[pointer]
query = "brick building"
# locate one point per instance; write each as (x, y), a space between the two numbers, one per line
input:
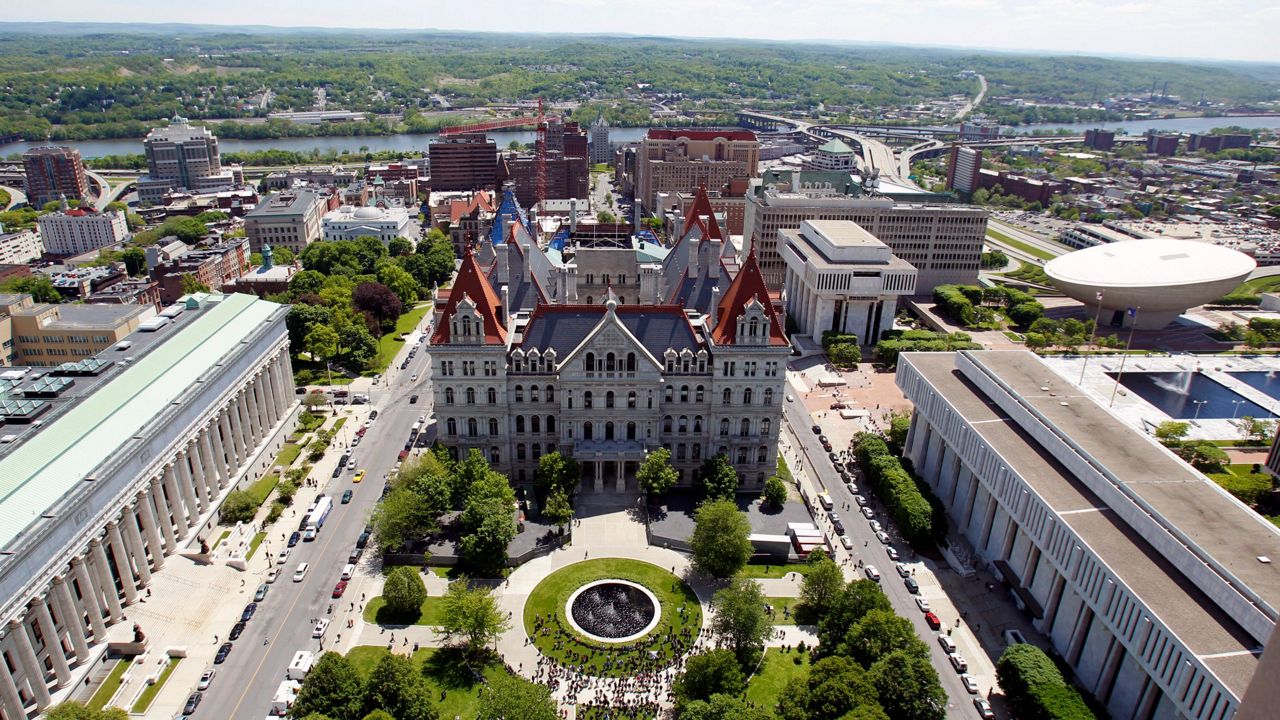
(463, 162)
(54, 173)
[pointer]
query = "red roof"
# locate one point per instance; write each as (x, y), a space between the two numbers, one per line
(471, 283)
(748, 285)
(482, 201)
(701, 214)
(692, 134)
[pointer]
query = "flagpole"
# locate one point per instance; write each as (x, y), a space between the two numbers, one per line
(1123, 358)
(1093, 333)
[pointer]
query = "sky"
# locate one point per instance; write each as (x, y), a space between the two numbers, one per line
(1216, 29)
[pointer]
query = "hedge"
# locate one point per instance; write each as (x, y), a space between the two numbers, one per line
(896, 342)
(1035, 687)
(895, 486)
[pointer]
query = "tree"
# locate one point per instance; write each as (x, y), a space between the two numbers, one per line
(775, 491)
(508, 697)
(740, 619)
(39, 287)
(321, 342)
(845, 354)
(359, 347)
(835, 686)
(557, 473)
(399, 518)
(472, 615)
(718, 478)
(720, 542)
(878, 633)
(488, 519)
(71, 710)
(187, 229)
(1257, 432)
(604, 217)
(656, 476)
(238, 506)
(191, 284)
(332, 688)
(134, 259)
(1171, 433)
(404, 592)
(1204, 456)
(908, 686)
(378, 300)
(399, 246)
(557, 508)
(724, 707)
(859, 598)
(708, 673)
(819, 591)
(396, 688)
(899, 426)
(399, 281)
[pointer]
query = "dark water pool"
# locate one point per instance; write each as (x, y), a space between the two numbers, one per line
(1176, 393)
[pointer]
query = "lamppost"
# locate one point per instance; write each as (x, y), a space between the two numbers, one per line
(1236, 409)
(1199, 404)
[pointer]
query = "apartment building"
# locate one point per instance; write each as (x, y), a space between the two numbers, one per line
(42, 334)
(21, 247)
(54, 173)
(681, 160)
(79, 230)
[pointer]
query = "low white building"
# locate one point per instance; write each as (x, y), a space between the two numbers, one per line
(349, 223)
(71, 232)
(840, 277)
(20, 248)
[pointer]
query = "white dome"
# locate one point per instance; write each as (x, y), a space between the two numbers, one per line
(367, 213)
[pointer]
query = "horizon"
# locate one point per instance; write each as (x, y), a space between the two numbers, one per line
(979, 26)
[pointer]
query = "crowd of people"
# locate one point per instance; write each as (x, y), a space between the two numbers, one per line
(650, 654)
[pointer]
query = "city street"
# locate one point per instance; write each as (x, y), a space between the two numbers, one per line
(247, 681)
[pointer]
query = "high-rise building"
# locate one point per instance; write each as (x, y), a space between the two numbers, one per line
(1100, 139)
(567, 177)
(963, 166)
(79, 230)
(1217, 143)
(20, 248)
(54, 173)
(1163, 145)
(681, 160)
(182, 156)
(601, 153)
(833, 156)
(942, 241)
(290, 219)
(463, 162)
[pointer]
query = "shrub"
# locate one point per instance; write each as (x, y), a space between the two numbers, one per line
(898, 489)
(1035, 687)
(845, 354)
(277, 509)
(238, 507)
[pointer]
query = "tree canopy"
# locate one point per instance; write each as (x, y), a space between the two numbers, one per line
(720, 542)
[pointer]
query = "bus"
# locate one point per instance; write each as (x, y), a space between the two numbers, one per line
(316, 519)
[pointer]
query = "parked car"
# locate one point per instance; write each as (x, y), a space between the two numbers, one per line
(261, 594)
(413, 399)
(913, 587)
(958, 662)
(921, 603)
(283, 557)
(838, 406)
(892, 552)
(249, 610)
(817, 430)
(984, 708)
(875, 526)
(867, 512)
(414, 378)
(205, 679)
(321, 626)
(883, 537)
(872, 573)
(847, 542)
(236, 630)
(970, 683)
(339, 588)
(861, 500)
(373, 414)
(362, 540)
(294, 537)
(932, 620)
(272, 574)
(903, 570)
(346, 496)
(838, 525)
(359, 475)
(354, 557)
(824, 440)
(193, 702)
(948, 645)
(223, 652)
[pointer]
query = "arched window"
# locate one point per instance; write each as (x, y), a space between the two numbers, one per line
(697, 451)
(697, 423)
(520, 451)
(451, 427)
(631, 431)
(765, 427)
(535, 424)
(631, 400)
(471, 396)
(669, 394)
(533, 393)
(589, 364)
(742, 456)
(754, 328)
(724, 426)
(591, 300)
(586, 430)
(586, 399)
(728, 396)
(493, 426)
(551, 425)
(608, 399)
(494, 456)
(680, 451)
(684, 424)
(609, 363)
(537, 450)
(493, 396)
(608, 431)
(666, 424)
(473, 427)
(551, 394)
(745, 428)
(746, 396)
(519, 424)
(684, 393)
(448, 396)
(698, 395)
(762, 454)
(631, 362)
(768, 396)
(519, 393)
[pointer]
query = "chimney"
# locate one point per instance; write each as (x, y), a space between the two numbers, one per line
(715, 307)
(795, 181)
(573, 216)
(693, 257)
(502, 271)
(506, 307)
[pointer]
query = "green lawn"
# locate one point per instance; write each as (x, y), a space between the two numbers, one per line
(337, 425)
(765, 687)
(431, 612)
(446, 670)
(548, 600)
(784, 472)
(218, 542)
(1247, 486)
(391, 343)
(1258, 285)
(1027, 248)
(253, 545)
(288, 454)
(768, 570)
(144, 699)
(262, 488)
(783, 603)
(109, 686)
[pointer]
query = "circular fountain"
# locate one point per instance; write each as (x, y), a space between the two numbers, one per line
(613, 611)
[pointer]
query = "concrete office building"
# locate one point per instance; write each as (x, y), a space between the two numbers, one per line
(79, 230)
(601, 152)
(841, 278)
(681, 160)
(463, 162)
(834, 156)
(182, 156)
(349, 223)
(48, 335)
(20, 248)
(1155, 585)
(162, 438)
(943, 242)
(290, 219)
(963, 166)
(54, 173)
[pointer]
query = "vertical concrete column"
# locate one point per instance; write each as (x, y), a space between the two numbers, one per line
(9, 698)
(253, 410)
(98, 556)
(213, 469)
(599, 464)
(90, 598)
(175, 502)
(30, 664)
(148, 519)
(133, 540)
(52, 641)
(284, 383)
(621, 484)
(228, 443)
(165, 519)
(271, 397)
(197, 474)
(188, 487)
(71, 617)
(121, 555)
(240, 430)
(262, 388)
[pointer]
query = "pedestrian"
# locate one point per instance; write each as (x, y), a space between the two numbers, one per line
(215, 639)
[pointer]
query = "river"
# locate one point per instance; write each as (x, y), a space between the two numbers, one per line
(418, 143)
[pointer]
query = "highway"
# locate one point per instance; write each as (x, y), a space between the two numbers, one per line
(16, 196)
(975, 102)
(868, 548)
(247, 681)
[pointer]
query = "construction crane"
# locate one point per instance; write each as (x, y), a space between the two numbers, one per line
(540, 144)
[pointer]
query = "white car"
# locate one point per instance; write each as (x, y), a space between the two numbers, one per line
(883, 537)
(872, 573)
(322, 625)
(414, 378)
(892, 552)
(958, 662)
(948, 645)
(922, 604)
(283, 557)
(903, 570)
(862, 501)
(867, 512)
(970, 683)
(875, 526)
(205, 679)
(847, 542)
(272, 574)
(300, 573)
